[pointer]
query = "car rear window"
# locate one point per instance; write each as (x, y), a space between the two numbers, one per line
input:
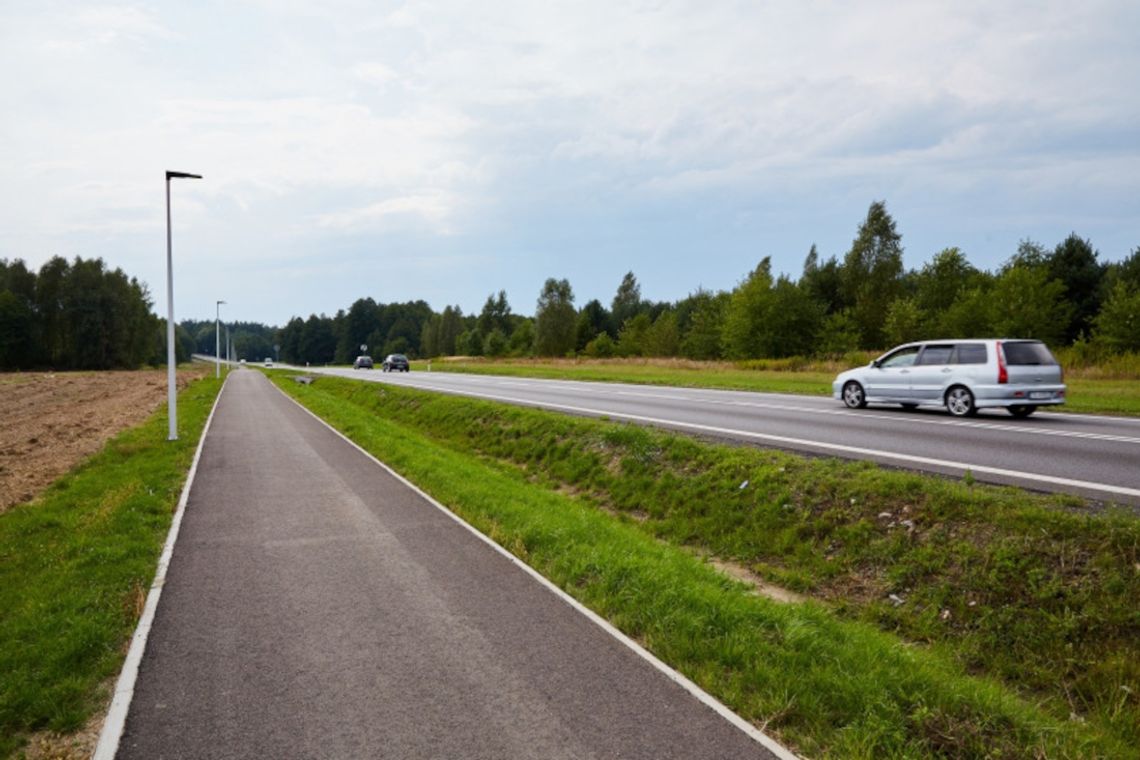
(936, 355)
(971, 353)
(1021, 354)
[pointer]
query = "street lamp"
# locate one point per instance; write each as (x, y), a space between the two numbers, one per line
(171, 406)
(218, 339)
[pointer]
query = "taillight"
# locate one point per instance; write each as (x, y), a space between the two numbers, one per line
(1003, 375)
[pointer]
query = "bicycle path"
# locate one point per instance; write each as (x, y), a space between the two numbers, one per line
(317, 607)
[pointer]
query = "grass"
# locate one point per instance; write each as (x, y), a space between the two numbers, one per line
(1017, 627)
(75, 565)
(1108, 388)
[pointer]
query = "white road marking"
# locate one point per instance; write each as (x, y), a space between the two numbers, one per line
(113, 725)
(802, 443)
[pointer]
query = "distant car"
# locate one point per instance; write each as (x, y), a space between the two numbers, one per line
(962, 375)
(362, 362)
(269, 361)
(242, 361)
(394, 363)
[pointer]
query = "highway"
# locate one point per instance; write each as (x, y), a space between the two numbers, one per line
(1089, 456)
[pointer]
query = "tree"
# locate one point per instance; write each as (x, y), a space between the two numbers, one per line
(767, 319)
(601, 347)
(554, 319)
(748, 308)
(15, 332)
(521, 342)
(289, 339)
(627, 301)
(470, 342)
(838, 334)
(793, 323)
(593, 320)
(663, 338)
(361, 320)
(872, 272)
(1074, 264)
(904, 322)
(632, 339)
(1028, 304)
(823, 282)
(450, 327)
(971, 314)
(496, 315)
(941, 281)
(1118, 323)
(317, 344)
(52, 336)
(495, 344)
(702, 338)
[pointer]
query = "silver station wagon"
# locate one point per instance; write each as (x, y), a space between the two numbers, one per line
(961, 375)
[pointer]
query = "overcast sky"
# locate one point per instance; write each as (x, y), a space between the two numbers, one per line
(444, 150)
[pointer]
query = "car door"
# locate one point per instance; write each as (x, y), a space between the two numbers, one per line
(889, 378)
(930, 373)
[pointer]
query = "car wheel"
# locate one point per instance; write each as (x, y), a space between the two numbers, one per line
(854, 396)
(960, 402)
(1022, 410)
(909, 407)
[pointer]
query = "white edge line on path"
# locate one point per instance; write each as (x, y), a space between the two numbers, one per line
(116, 720)
(802, 443)
(696, 691)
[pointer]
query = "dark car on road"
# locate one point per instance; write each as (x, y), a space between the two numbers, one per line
(395, 363)
(362, 362)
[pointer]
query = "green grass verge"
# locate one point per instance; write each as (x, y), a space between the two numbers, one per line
(1018, 634)
(75, 565)
(1091, 395)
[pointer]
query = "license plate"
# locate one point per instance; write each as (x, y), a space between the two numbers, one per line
(1040, 394)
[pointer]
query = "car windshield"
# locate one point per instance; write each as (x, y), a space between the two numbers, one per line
(1029, 353)
(399, 357)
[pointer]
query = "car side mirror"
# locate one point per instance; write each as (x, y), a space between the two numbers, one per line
(874, 363)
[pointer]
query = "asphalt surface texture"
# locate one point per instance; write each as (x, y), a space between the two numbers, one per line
(316, 607)
(1085, 455)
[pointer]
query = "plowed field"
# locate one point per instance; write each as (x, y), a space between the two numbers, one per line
(49, 422)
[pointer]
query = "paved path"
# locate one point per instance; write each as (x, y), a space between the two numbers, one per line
(315, 607)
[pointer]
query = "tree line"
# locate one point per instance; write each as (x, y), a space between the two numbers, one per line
(81, 315)
(76, 315)
(865, 300)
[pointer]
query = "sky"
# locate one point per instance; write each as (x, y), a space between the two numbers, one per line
(445, 150)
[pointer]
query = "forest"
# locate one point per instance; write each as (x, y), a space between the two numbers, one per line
(866, 300)
(80, 315)
(77, 315)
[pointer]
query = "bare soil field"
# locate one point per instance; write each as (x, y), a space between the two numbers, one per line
(51, 421)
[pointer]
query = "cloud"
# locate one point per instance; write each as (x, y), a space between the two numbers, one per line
(432, 208)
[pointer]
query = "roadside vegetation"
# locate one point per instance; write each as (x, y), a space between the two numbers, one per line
(1102, 386)
(941, 619)
(76, 563)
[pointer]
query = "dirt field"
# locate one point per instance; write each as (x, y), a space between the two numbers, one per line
(49, 422)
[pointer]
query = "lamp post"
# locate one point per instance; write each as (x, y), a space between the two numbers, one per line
(171, 405)
(218, 339)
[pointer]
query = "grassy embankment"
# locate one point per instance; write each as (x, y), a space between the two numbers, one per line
(1014, 630)
(1108, 387)
(75, 567)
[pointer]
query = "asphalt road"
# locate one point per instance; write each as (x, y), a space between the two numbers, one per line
(1090, 456)
(317, 607)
